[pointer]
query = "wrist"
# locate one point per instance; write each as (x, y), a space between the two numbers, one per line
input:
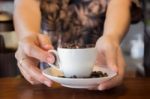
(113, 38)
(27, 34)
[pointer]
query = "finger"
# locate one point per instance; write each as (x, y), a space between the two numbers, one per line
(117, 80)
(111, 58)
(28, 77)
(45, 42)
(19, 53)
(26, 71)
(33, 50)
(121, 59)
(35, 72)
(121, 63)
(110, 83)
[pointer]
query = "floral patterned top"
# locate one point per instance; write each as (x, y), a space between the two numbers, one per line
(76, 21)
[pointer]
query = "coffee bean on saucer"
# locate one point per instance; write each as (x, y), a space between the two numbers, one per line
(94, 74)
(74, 76)
(105, 74)
(62, 76)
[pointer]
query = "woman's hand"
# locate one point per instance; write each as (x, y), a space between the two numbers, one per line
(31, 50)
(110, 55)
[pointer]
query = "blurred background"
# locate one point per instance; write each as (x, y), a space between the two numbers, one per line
(132, 45)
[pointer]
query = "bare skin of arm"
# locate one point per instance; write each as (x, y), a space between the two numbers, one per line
(116, 25)
(117, 19)
(27, 17)
(33, 46)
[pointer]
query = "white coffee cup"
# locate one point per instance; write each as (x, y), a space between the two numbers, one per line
(75, 62)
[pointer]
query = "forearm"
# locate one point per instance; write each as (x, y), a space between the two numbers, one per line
(117, 19)
(27, 17)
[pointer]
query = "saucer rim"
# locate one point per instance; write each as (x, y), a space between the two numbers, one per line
(98, 78)
(80, 83)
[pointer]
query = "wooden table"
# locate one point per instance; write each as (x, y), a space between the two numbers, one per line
(18, 88)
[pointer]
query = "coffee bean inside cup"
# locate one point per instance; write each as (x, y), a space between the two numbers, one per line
(75, 45)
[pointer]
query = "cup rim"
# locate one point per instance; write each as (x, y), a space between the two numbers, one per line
(76, 48)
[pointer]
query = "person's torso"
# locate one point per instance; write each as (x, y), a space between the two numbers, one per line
(73, 20)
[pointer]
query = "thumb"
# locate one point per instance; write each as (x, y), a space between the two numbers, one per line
(45, 42)
(111, 59)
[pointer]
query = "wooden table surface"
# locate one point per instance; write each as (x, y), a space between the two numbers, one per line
(18, 88)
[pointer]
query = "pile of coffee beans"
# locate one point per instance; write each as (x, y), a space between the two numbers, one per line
(94, 74)
(97, 74)
(76, 45)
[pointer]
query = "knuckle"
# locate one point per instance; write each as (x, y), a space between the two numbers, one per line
(28, 49)
(16, 55)
(33, 82)
(30, 78)
(41, 78)
(47, 38)
(26, 46)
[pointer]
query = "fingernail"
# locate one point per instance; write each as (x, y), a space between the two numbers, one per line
(50, 59)
(48, 46)
(48, 83)
(101, 88)
(115, 69)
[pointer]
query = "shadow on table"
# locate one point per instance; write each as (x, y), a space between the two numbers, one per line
(68, 93)
(8, 65)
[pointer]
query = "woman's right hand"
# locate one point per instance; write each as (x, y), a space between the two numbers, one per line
(31, 50)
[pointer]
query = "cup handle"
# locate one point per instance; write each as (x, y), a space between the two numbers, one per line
(57, 59)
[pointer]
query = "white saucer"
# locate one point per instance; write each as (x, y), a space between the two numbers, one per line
(54, 74)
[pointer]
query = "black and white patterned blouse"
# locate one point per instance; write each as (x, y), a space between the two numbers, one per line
(79, 21)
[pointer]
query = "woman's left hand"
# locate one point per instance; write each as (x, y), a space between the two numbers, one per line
(110, 55)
